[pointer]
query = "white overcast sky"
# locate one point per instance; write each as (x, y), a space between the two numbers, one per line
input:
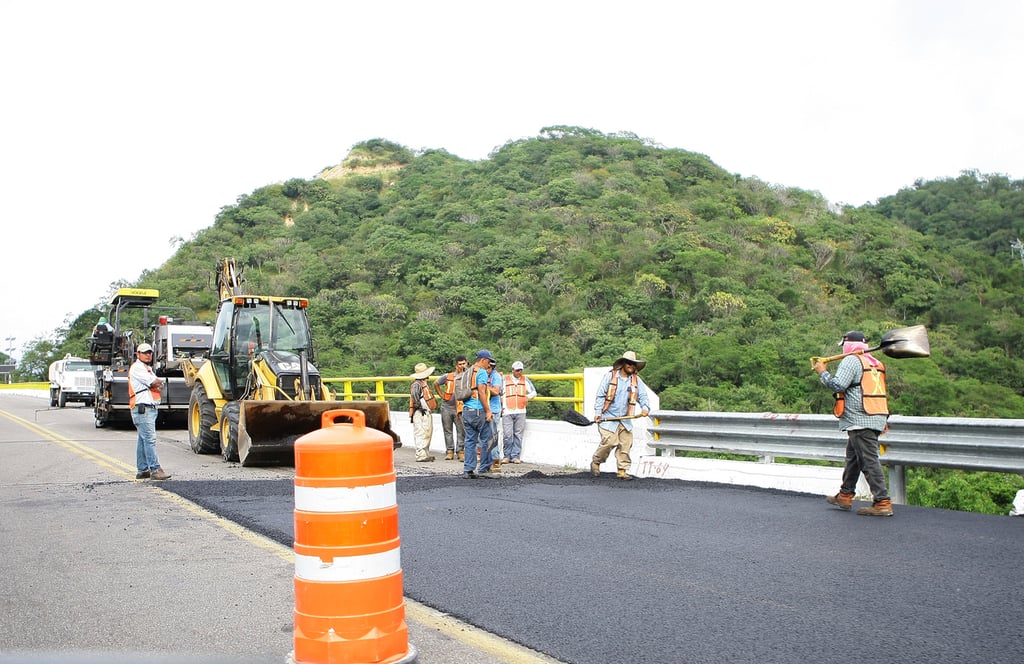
(127, 124)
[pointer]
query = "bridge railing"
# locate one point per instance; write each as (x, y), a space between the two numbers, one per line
(938, 442)
(375, 388)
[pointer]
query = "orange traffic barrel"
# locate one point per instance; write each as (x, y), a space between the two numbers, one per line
(349, 603)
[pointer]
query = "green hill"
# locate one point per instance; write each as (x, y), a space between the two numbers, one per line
(566, 249)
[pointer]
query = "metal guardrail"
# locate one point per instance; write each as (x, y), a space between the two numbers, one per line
(379, 392)
(939, 442)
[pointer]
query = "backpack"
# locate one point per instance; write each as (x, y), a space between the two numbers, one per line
(428, 396)
(465, 385)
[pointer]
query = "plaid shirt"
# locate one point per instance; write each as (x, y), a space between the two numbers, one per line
(847, 380)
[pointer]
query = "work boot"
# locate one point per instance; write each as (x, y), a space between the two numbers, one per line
(623, 475)
(506, 460)
(160, 474)
(449, 455)
(425, 459)
(469, 476)
(595, 469)
(843, 501)
(496, 467)
(142, 475)
(880, 508)
(462, 456)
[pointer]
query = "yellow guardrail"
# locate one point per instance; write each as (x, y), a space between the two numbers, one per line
(24, 386)
(375, 387)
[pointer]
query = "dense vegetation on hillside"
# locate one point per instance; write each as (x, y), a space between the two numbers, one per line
(566, 249)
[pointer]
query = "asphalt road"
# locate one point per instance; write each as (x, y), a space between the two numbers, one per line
(591, 570)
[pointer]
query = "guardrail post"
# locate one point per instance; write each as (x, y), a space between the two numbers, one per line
(898, 484)
(349, 603)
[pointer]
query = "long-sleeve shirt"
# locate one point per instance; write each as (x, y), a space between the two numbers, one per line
(142, 378)
(620, 404)
(847, 380)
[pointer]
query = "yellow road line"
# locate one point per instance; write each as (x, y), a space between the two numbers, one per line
(505, 651)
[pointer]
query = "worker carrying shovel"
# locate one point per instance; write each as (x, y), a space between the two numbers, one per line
(862, 408)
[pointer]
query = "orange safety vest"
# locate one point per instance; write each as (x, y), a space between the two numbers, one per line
(872, 385)
(609, 396)
(515, 393)
(449, 386)
(154, 391)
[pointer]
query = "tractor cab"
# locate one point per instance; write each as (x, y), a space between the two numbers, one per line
(262, 348)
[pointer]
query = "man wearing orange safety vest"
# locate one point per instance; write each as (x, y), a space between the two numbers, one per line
(862, 409)
(451, 412)
(517, 391)
(143, 398)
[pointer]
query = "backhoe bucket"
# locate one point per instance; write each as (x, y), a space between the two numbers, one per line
(267, 430)
(906, 342)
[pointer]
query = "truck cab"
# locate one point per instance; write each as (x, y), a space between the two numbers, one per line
(72, 379)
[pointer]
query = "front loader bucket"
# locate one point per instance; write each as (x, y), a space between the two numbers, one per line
(267, 430)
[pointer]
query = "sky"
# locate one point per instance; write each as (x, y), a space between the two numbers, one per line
(127, 126)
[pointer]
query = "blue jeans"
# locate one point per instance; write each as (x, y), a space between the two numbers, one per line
(145, 448)
(478, 434)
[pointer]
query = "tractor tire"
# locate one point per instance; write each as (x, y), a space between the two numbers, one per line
(229, 431)
(202, 416)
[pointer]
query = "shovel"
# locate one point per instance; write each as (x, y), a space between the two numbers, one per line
(572, 417)
(900, 343)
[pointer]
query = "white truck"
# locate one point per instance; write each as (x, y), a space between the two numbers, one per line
(72, 379)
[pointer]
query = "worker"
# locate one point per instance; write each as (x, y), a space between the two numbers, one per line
(101, 326)
(143, 398)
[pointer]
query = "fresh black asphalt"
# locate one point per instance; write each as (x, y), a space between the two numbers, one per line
(595, 571)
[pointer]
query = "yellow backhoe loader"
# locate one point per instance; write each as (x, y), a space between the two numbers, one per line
(259, 391)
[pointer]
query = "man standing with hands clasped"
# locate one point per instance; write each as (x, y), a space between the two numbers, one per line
(619, 395)
(421, 410)
(518, 391)
(862, 408)
(143, 398)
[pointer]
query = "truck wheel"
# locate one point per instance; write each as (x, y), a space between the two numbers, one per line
(53, 397)
(202, 416)
(62, 399)
(229, 431)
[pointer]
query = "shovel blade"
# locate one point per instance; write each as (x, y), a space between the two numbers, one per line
(906, 342)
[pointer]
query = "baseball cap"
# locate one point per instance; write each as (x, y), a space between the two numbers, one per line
(517, 365)
(484, 353)
(853, 335)
(144, 348)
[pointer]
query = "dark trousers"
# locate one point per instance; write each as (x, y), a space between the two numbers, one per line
(862, 457)
(449, 420)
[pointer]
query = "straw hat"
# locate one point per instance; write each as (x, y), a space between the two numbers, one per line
(630, 357)
(421, 371)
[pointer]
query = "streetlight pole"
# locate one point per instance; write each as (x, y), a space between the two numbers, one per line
(10, 357)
